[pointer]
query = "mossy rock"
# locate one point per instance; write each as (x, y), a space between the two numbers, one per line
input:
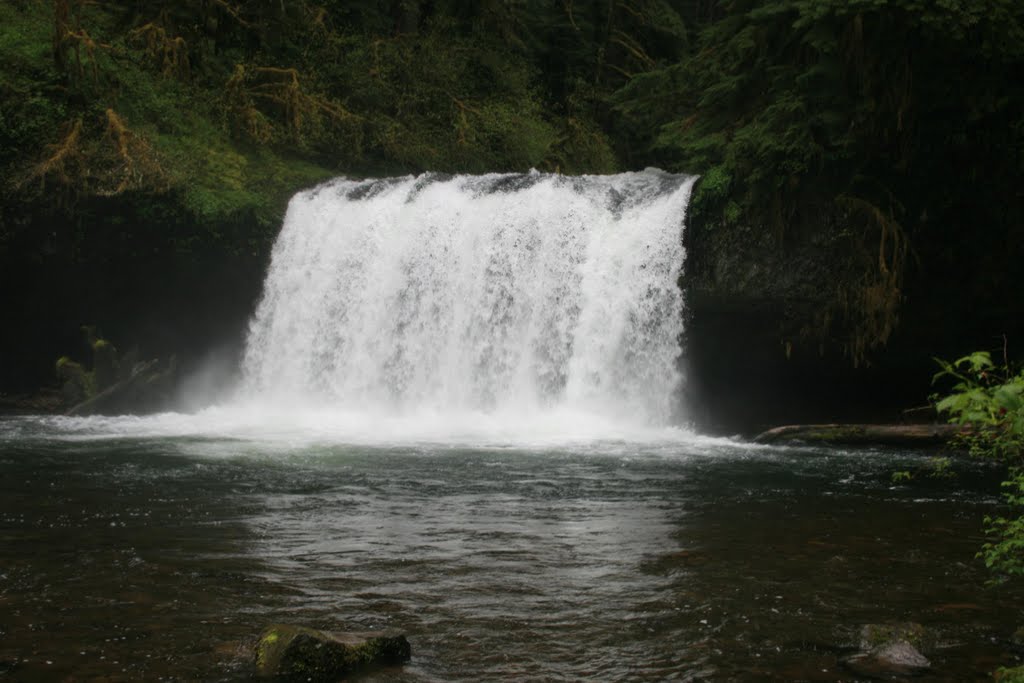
(876, 636)
(892, 650)
(104, 364)
(300, 653)
(1009, 675)
(76, 383)
(1018, 637)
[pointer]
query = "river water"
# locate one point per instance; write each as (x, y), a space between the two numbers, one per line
(127, 554)
(451, 421)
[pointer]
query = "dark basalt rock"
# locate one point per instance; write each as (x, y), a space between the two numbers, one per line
(766, 344)
(299, 653)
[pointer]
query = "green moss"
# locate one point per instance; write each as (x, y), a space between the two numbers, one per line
(839, 434)
(77, 385)
(302, 653)
(195, 156)
(25, 43)
(875, 636)
(104, 364)
(1009, 675)
(732, 212)
(29, 112)
(711, 196)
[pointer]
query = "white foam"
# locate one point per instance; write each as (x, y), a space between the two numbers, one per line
(301, 425)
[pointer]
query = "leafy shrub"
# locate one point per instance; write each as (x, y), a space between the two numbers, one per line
(989, 400)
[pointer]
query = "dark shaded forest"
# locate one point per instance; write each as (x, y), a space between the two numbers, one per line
(148, 149)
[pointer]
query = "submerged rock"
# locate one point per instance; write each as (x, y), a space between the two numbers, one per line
(891, 650)
(896, 659)
(301, 653)
(874, 636)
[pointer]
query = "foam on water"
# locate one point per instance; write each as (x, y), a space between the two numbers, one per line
(271, 432)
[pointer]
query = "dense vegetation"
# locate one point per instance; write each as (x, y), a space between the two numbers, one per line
(158, 138)
(903, 116)
(988, 400)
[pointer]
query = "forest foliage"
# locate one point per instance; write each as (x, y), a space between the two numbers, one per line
(234, 103)
(988, 400)
(903, 118)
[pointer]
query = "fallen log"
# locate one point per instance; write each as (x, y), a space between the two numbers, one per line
(862, 434)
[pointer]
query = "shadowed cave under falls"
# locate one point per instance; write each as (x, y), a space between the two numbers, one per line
(459, 416)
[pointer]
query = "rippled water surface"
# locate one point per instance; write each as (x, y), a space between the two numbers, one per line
(127, 556)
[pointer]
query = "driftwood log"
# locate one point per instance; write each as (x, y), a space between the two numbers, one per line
(862, 434)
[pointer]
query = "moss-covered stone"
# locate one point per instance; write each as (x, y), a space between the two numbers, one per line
(875, 636)
(76, 383)
(300, 653)
(104, 364)
(891, 650)
(1009, 675)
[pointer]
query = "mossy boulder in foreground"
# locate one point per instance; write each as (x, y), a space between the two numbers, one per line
(299, 653)
(1009, 675)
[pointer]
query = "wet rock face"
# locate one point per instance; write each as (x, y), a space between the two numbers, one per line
(298, 653)
(768, 328)
(755, 307)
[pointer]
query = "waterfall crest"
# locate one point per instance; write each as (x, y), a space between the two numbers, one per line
(503, 294)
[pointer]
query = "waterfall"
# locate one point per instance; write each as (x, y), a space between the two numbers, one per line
(503, 294)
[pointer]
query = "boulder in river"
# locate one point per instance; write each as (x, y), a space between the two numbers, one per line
(299, 653)
(891, 650)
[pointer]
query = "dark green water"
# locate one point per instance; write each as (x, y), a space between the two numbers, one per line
(128, 558)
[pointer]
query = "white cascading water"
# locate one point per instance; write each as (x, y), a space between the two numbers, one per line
(521, 300)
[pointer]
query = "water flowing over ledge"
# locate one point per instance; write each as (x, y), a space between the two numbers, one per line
(509, 296)
(524, 310)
